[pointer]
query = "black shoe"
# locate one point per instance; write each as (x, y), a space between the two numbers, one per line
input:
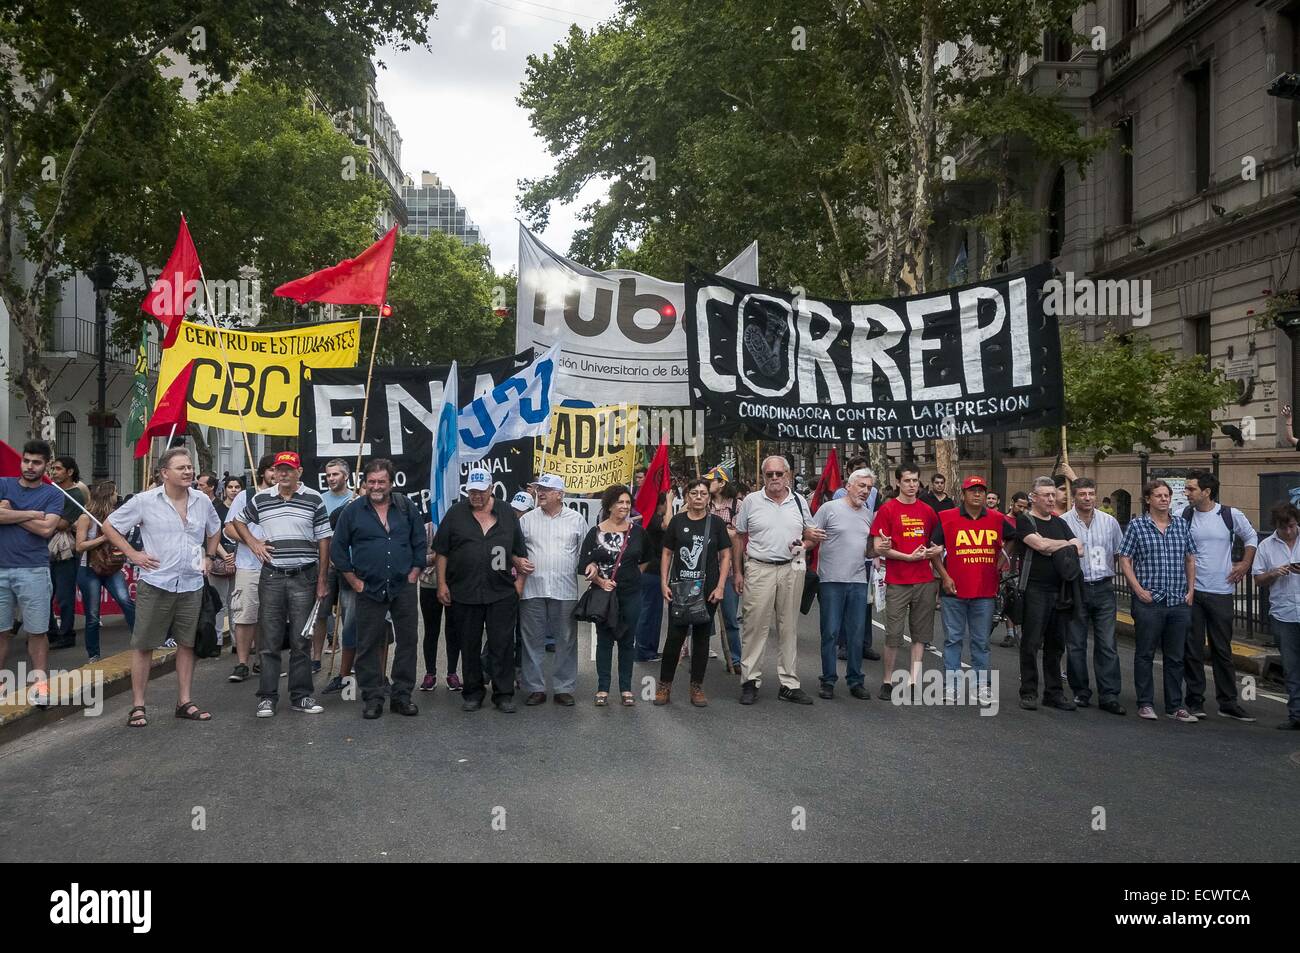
(471, 705)
(796, 695)
(1197, 712)
(66, 642)
(372, 711)
(1008, 643)
(1028, 704)
(1082, 701)
(564, 698)
(535, 698)
(749, 693)
(334, 685)
(239, 674)
(1288, 725)
(886, 692)
(1114, 707)
(860, 691)
(404, 706)
(871, 655)
(506, 706)
(1236, 712)
(827, 690)
(1061, 703)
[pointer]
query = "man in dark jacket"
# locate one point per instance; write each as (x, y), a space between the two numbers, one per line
(380, 549)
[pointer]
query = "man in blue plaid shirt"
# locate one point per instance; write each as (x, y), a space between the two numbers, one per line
(1158, 558)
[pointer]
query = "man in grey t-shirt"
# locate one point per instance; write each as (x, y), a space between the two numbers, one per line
(842, 588)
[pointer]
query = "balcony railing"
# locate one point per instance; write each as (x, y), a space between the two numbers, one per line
(71, 334)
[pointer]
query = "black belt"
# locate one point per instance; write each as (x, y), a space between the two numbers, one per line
(772, 562)
(1108, 581)
(276, 571)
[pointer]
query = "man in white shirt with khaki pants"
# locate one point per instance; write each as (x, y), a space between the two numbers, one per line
(775, 530)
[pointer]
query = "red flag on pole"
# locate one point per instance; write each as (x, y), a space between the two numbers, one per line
(171, 413)
(657, 480)
(829, 483)
(176, 286)
(360, 280)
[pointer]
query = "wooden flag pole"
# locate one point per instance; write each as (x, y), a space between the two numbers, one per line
(1065, 459)
(225, 361)
(758, 463)
(365, 404)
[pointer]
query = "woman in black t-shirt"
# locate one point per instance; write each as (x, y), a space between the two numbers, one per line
(696, 550)
(615, 534)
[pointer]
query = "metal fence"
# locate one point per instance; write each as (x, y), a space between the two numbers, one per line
(70, 333)
(1250, 617)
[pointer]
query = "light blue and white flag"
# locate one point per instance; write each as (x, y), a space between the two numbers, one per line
(518, 407)
(444, 476)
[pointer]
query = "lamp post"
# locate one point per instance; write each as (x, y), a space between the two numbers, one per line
(102, 276)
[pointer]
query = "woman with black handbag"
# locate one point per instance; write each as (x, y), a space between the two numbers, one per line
(613, 557)
(695, 563)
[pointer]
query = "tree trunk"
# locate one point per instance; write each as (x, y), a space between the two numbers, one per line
(33, 381)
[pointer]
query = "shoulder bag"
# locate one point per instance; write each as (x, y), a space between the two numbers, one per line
(600, 606)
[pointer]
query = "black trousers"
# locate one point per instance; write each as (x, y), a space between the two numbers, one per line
(431, 611)
(1212, 616)
(1046, 628)
(372, 636)
(700, 636)
(470, 621)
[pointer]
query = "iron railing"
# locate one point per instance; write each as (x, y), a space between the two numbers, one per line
(69, 333)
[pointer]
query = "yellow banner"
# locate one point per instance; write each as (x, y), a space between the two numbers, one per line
(589, 447)
(265, 371)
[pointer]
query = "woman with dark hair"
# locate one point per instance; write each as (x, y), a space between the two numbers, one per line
(613, 557)
(103, 500)
(694, 565)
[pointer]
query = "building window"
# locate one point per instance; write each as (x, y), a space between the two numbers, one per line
(1198, 100)
(1200, 333)
(1128, 17)
(1056, 47)
(1056, 215)
(1125, 129)
(1123, 505)
(65, 435)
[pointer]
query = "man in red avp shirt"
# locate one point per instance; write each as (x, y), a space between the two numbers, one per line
(972, 538)
(902, 527)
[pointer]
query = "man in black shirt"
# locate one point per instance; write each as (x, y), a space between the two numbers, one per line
(936, 497)
(1043, 533)
(477, 545)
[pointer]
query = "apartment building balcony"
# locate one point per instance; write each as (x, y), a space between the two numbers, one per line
(73, 338)
(1072, 81)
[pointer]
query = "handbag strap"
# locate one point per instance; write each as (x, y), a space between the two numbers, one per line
(708, 525)
(613, 573)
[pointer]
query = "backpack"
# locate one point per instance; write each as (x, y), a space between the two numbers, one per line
(1235, 542)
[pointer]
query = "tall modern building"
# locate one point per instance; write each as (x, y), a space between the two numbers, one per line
(432, 207)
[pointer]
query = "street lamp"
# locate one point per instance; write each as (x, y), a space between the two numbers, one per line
(102, 275)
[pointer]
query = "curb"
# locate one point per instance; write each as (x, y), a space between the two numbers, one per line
(1247, 658)
(17, 720)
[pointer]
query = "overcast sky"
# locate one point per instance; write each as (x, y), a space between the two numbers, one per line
(454, 106)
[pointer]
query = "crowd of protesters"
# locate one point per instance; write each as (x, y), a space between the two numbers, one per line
(359, 573)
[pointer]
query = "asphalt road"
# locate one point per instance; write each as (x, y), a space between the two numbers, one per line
(841, 780)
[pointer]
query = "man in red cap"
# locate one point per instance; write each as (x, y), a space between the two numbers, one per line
(972, 537)
(295, 559)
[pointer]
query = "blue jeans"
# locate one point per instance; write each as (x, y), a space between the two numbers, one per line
(843, 610)
(91, 586)
(1165, 626)
(1288, 639)
(731, 619)
(64, 576)
(1099, 614)
(651, 617)
(960, 618)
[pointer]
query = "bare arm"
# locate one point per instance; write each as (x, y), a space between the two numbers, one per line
(83, 528)
(1190, 562)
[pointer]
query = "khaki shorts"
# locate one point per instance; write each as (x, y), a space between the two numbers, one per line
(160, 615)
(915, 601)
(244, 604)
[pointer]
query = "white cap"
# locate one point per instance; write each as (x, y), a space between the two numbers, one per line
(522, 501)
(550, 481)
(478, 479)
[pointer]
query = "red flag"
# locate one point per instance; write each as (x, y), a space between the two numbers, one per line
(360, 280)
(11, 463)
(172, 411)
(657, 480)
(829, 483)
(176, 286)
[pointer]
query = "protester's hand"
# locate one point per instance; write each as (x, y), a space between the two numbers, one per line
(1078, 544)
(1144, 595)
(322, 585)
(718, 593)
(444, 594)
(815, 533)
(358, 585)
(1238, 573)
(1191, 594)
(1069, 472)
(414, 575)
(606, 584)
(142, 560)
(950, 586)
(668, 593)
(228, 564)
(590, 572)
(932, 551)
(6, 505)
(524, 566)
(884, 543)
(261, 549)
(1286, 411)
(1281, 571)
(738, 583)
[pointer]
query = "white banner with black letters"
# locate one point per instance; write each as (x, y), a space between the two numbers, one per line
(966, 360)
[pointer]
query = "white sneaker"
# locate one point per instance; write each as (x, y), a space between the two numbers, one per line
(986, 696)
(950, 696)
(266, 708)
(1149, 713)
(307, 706)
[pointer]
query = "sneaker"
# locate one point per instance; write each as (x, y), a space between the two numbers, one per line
(1289, 725)
(1149, 713)
(1235, 712)
(986, 696)
(1185, 716)
(40, 695)
(796, 695)
(453, 683)
(429, 684)
(1082, 701)
(712, 654)
(1008, 643)
(1114, 707)
(93, 659)
(239, 674)
(1196, 711)
(265, 708)
(334, 685)
(950, 696)
(315, 667)
(748, 693)
(1029, 703)
(307, 706)
(826, 690)
(886, 692)
(170, 644)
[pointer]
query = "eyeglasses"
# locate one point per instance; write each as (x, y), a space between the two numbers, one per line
(774, 474)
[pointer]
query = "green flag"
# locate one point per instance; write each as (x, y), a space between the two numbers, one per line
(140, 391)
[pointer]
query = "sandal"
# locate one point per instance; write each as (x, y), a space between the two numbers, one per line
(191, 712)
(137, 721)
(628, 699)
(602, 699)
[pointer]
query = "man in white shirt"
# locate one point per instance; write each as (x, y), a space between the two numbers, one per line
(1217, 575)
(180, 531)
(777, 528)
(244, 605)
(553, 534)
(1101, 537)
(1277, 569)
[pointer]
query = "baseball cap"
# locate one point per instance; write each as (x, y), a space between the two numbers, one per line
(522, 501)
(971, 481)
(718, 473)
(550, 481)
(286, 458)
(478, 479)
